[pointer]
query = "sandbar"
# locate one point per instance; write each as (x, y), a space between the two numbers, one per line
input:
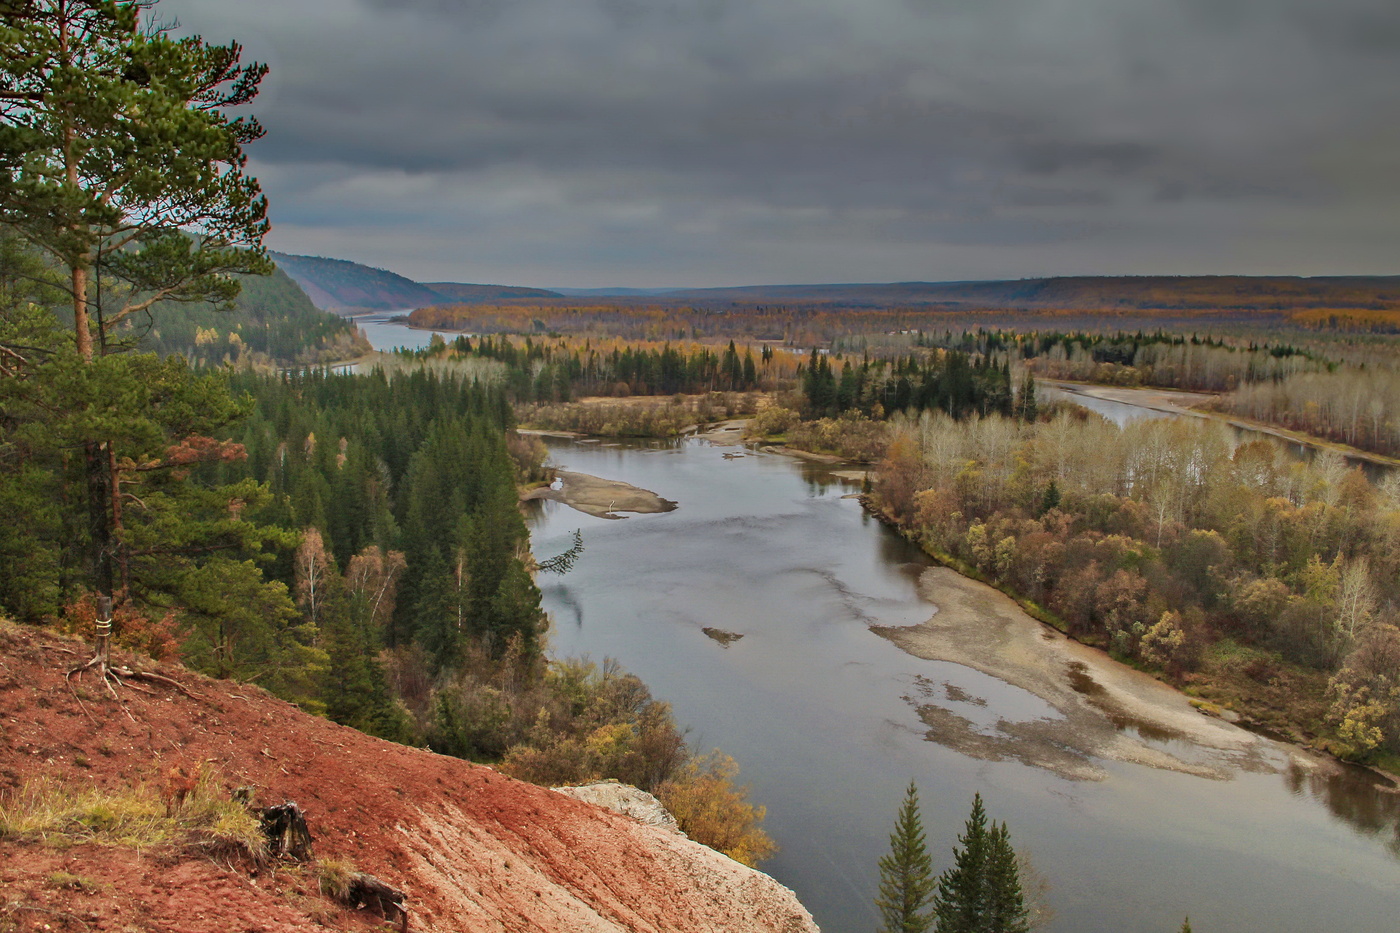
(600, 497)
(1106, 710)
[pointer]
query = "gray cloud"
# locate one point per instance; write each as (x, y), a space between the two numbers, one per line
(714, 141)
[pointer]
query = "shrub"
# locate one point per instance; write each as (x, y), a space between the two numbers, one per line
(711, 810)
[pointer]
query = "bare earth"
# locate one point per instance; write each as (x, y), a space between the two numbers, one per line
(1168, 400)
(603, 498)
(725, 433)
(1106, 710)
(475, 851)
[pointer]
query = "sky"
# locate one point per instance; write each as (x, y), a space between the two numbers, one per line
(652, 143)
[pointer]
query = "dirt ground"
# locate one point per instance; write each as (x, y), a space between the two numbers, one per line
(1103, 710)
(600, 497)
(475, 851)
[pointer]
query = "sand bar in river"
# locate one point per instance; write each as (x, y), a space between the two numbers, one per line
(603, 498)
(1104, 709)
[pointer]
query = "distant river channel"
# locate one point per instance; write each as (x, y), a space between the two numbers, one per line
(821, 715)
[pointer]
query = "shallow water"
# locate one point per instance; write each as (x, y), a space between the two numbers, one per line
(820, 714)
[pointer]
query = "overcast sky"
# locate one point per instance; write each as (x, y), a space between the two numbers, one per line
(725, 142)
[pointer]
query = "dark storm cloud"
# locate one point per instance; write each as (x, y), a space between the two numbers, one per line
(709, 141)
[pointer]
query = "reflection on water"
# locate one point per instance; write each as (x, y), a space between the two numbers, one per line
(1363, 798)
(823, 717)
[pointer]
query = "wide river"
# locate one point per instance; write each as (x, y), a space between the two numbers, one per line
(822, 715)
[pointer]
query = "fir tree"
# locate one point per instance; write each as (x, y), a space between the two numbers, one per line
(1026, 405)
(981, 893)
(906, 874)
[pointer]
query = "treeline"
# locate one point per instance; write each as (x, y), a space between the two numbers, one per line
(558, 369)
(1194, 362)
(1224, 567)
(1172, 361)
(808, 322)
(949, 381)
(1354, 405)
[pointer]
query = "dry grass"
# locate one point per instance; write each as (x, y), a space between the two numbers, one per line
(54, 813)
(334, 877)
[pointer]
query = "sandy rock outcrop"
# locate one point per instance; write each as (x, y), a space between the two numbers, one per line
(763, 903)
(625, 799)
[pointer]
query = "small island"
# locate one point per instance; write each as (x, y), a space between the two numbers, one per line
(600, 497)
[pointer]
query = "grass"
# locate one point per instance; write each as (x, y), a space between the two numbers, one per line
(333, 876)
(53, 813)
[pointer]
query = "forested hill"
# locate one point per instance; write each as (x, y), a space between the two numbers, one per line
(1279, 293)
(345, 287)
(272, 321)
(459, 292)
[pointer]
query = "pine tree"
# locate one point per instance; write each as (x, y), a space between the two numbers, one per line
(981, 893)
(906, 874)
(118, 161)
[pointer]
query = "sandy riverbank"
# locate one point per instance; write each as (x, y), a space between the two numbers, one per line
(1171, 401)
(1196, 405)
(603, 498)
(1106, 710)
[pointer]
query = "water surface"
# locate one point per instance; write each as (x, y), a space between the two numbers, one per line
(820, 713)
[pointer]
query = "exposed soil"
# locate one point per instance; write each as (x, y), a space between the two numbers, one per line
(1103, 710)
(725, 433)
(474, 850)
(600, 497)
(803, 454)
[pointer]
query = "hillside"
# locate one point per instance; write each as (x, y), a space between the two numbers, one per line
(272, 319)
(1103, 292)
(346, 287)
(472, 849)
(460, 292)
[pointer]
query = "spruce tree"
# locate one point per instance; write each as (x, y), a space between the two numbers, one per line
(906, 874)
(959, 903)
(981, 893)
(1006, 905)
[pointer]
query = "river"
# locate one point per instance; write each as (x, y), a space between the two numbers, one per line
(385, 334)
(823, 717)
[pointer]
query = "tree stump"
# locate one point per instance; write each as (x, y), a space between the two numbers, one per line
(369, 891)
(287, 834)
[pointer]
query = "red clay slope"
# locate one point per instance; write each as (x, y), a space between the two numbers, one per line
(474, 850)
